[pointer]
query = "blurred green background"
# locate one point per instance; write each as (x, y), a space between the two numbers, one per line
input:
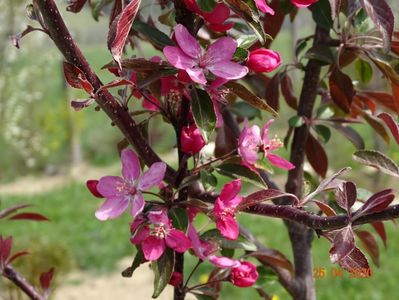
(41, 139)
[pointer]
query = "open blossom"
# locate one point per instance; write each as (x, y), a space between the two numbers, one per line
(120, 191)
(225, 209)
(303, 3)
(155, 233)
(191, 139)
(263, 60)
(252, 140)
(189, 56)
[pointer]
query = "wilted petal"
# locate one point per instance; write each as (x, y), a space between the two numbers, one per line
(228, 70)
(196, 75)
(187, 42)
(130, 164)
(153, 248)
(112, 208)
(177, 58)
(137, 204)
(223, 262)
(152, 177)
(110, 186)
(228, 227)
(177, 240)
(141, 235)
(222, 49)
(280, 162)
(229, 193)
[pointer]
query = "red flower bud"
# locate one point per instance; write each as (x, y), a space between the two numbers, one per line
(191, 140)
(263, 60)
(244, 275)
(176, 278)
(92, 186)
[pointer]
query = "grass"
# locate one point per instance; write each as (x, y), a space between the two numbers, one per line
(96, 246)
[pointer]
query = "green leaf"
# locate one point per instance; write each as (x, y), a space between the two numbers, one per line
(324, 132)
(238, 171)
(179, 218)
(208, 179)
(296, 121)
(207, 5)
(246, 41)
(378, 160)
(364, 70)
(322, 53)
(163, 269)
(203, 112)
(321, 13)
(138, 260)
(155, 36)
(240, 55)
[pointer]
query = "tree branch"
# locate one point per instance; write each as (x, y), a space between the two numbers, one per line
(22, 283)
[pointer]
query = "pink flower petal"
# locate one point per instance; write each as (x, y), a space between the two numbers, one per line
(218, 15)
(137, 204)
(280, 162)
(153, 248)
(158, 217)
(140, 236)
(177, 240)
(303, 3)
(195, 241)
(109, 186)
(229, 193)
(112, 208)
(248, 144)
(177, 58)
(152, 177)
(187, 42)
(265, 131)
(262, 5)
(196, 75)
(228, 70)
(228, 227)
(223, 262)
(222, 49)
(130, 164)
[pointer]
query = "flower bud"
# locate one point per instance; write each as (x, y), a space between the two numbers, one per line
(303, 3)
(176, 279)
(191, 140)
(244, 275)
(263, 60)
(92, 186)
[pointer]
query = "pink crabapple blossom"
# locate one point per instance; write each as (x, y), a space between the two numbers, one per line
(252, 141)
(120, 191)
(189, 56)
(155, 232)
(263, 60)
(191, 139)
(225, 209)
(244, 275)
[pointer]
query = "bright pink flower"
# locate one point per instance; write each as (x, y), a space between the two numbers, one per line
(251, 141)
(156, 233)
(176, 279)
(216, 19)
(120, 191)
(244, 275)
(263, 60)
(191, 140)
(303, 3)
(262, 5)
(188, 56)
(225, 209)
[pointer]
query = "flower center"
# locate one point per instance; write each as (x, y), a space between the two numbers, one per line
(227, 212)
(159, 231)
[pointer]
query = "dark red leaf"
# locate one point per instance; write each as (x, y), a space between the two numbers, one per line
(346, 195)
(116, 10)
(45, 279)
(325, 208)
(76, 78)
(370, 245)
(381, 14)
(262, 196)
(16, 255)
(343, 244)
(116, 83)
(5, 248)
(392, 125)
(287, 89)
(351, 135)
(356, 263)
(15, 39)
(272, 94)
(341, 89)
(29, 216)
(5, 212)
(79, 104)
(316, 155)
(273, 258)
(119, 30)
(75, 6)
(383, 98)
(92, 186)
(380, 229)
(376, 203)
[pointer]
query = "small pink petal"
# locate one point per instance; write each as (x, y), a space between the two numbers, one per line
(303, 3)
(137, 204)
(195, 241)
(228, 70)
(112, 208)
(109, 186)
(265, 131)
(222, 49)
(223, 262)
(262, 5)
(196, 75)
(152, 177)
(153, 248)
(280, 162)
(218, 15)
(187, 42)
(158, 217)
(177, 58)
(130, 164)
(177, 240)
(229, 193)
(140, 236)
(228, 227)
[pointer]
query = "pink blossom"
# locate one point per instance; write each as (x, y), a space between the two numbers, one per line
(303, 3)
(191, 139)
(225, 209)
(262, 5)
(251, 141)
(244, 275)
(188, 56)
(120, 191)
(216, 19)
(263, 60)
(156, 233)
(218, 95)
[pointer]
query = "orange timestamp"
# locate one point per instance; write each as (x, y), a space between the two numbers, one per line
(336, 272)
